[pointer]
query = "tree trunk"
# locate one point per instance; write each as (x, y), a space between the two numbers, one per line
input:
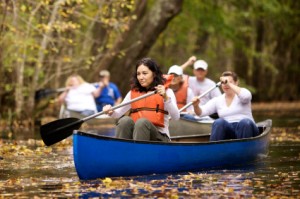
(136, 43)
(202, 41)
(258, 66)
(41, 55)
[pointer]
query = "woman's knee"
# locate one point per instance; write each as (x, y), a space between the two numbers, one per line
(247, 128)
(246, 122)
(126, 120)
(219, 122)
(141, 122)
(124, 127)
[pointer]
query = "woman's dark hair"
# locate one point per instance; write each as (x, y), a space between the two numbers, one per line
(153, 66)
(231, 74)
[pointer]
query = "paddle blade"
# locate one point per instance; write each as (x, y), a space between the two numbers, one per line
(43, 93)
(58, 130)
(169, 79)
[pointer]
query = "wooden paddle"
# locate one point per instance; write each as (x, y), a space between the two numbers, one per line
(200, 96)
(58, 130)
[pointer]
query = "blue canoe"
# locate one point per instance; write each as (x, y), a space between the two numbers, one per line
(97, 156)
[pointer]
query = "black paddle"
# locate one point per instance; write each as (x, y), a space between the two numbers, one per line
(42, 93)
(200, 96)
(58, 130)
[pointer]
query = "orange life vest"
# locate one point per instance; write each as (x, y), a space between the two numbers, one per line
(181, 93)
(151, 107)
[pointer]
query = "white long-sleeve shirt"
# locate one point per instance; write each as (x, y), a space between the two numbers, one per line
(190, 96)
(169, 105)
(240, 107)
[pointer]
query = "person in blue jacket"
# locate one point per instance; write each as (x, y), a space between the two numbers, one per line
(109, 94)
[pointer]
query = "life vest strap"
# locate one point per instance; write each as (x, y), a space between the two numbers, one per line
(148, 109)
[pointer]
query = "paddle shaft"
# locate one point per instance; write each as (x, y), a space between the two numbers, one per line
(47, 91)
(120, 105)
(200, 96)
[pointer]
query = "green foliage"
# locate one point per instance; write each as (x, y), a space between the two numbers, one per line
(227, 35)
(47, 40)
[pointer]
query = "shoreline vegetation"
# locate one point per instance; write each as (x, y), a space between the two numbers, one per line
(279, 108)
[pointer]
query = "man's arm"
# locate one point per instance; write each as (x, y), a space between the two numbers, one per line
(189, 62)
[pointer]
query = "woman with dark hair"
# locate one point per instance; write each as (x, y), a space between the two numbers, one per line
(149, 117)
(233, 108)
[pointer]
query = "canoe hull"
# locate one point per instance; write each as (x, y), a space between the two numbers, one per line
(100, 156)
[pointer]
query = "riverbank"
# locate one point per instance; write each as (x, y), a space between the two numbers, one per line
(278, 108)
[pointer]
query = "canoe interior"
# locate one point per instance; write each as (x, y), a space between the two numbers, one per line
(189, 128)
(200, 138)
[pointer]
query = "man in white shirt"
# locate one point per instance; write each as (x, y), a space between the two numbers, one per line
(199, 83)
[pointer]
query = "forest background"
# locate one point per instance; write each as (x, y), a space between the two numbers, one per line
(42, 42)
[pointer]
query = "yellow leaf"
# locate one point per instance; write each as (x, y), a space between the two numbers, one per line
(107, 180)
(23, 8)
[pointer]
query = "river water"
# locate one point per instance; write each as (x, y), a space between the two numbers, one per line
(30, 170)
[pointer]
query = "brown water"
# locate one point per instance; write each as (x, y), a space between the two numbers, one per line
(29, 170)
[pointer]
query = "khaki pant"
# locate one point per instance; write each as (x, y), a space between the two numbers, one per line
(143, 129)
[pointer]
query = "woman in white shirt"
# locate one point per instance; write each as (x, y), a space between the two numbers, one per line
(234, 110)
(149, 117)
(79, 96)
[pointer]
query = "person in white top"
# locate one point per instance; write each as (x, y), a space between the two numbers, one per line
(234, 109)
(79, 96)
(199, 83)
(149, 117)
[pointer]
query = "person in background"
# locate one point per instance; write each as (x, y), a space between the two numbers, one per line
(181, 89)
(79, 96)
(199, 83)
(109, 92)
(149, 117)
(234, 109)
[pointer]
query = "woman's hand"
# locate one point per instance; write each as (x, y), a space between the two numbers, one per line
(229, 84)
(224, 80)
(196, 102)
(107, 110)
(162, 91)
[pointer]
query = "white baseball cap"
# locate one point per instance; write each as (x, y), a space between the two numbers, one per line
(200, 64)
(176, 70)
